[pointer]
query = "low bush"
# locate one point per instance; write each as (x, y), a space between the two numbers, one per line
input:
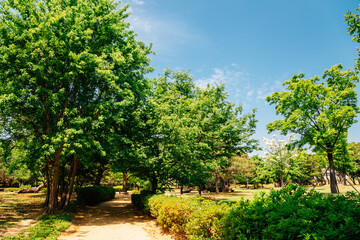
(94, 195)
(140, 199)
(118, 188)
(292, 213)
(48, 227)
(24, 187)
(11, 189)
(194, 217)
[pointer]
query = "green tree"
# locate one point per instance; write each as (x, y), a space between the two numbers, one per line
(66, 67)
(320, 112)
(279, 158)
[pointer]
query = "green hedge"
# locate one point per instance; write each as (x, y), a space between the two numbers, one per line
(197, 218)
(94, 195)
(140, 199)
(293, 213)
(289, 213)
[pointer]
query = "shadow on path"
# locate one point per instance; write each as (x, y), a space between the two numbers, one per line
(115, 219)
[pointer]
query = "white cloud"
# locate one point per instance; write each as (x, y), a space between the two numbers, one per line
(167, 34)
(138, 2)
(242, 86)
(221, 76)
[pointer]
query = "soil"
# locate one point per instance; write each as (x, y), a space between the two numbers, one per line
(117, 219)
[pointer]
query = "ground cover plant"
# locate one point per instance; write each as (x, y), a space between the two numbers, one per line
(48, 227)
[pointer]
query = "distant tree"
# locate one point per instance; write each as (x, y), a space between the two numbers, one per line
(319, 112)
(279, 158)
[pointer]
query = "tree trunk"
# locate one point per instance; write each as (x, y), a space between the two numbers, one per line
(99, 176)
(54, 184)
(326, 176)
(223, 187)
(154, 183)
(216, 182)
(247, 184)
(73, 169)
(181, 189)
(281, 182)
(125, 181)
(48, 182)
(333, 184)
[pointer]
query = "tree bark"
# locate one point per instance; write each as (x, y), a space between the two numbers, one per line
(125, 181)
(182, 189)
(333, 184)
(54, 184)
(73, 170)
(154, 183)
(216, 182)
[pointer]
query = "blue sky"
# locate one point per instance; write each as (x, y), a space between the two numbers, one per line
(252, 46)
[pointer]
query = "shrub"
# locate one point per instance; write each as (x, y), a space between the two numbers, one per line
(204, 221)
(94, 195)
(25, 187)
(291, 213)
(11, 189)
(118, 188)
(140, 199)
(193, 217)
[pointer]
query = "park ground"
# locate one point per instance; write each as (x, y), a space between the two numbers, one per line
(116, 219)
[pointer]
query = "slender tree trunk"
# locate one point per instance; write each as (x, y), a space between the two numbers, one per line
(181, 189)
(281, 180)
(125, 181)
(223, 187)
(216, 182)
(48, 182)
(73, 170)
(154, 183)
(326, 175)
(333, 184)
(99, 176)
(247, 184)
(54, 184)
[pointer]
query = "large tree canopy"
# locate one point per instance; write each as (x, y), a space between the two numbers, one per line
(321, 112)
(66, 67)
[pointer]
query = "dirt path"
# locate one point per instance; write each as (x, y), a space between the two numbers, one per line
(116, 219)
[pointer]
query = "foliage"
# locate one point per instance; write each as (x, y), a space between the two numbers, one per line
(11, 189)
(118, 188)
(189, 132)
(95, 194)
(48, 226)
(292, 213)
(321, 112)
(70, 71)
(194, 217)
(279, 159)
(140, 199)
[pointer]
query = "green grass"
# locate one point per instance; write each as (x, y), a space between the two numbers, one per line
(242, 192)
(15, 207)
(48, 227)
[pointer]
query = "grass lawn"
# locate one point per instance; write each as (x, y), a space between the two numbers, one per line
(242, 192)
(15, 207)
